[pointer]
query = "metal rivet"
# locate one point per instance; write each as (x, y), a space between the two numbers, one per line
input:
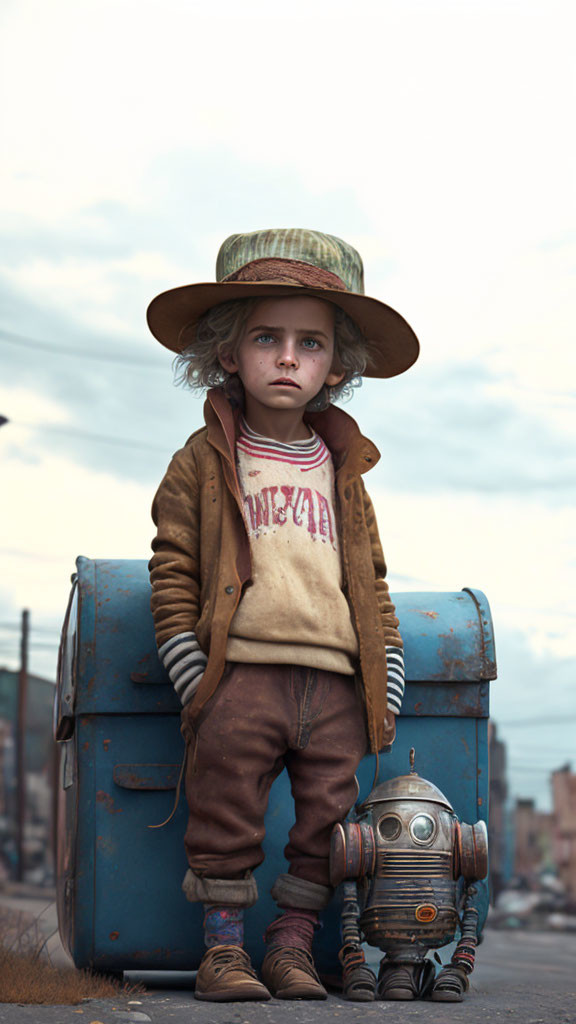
(229, 590)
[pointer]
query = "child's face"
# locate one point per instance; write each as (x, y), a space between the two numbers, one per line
(286, 352)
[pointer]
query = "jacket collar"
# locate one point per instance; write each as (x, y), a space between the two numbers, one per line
(222, 421)
(350, 450)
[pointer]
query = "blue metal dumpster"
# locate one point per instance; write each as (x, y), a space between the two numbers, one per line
(117, 723)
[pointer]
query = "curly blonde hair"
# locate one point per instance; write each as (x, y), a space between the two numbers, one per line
(218, 332)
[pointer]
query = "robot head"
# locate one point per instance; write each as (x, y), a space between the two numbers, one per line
(408, 815)
(408, 848)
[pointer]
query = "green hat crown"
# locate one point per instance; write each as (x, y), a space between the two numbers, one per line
(314, 247)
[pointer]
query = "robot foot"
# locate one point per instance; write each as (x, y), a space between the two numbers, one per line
(403, 980)
(450, 986)
(359, 984)
(397, 982)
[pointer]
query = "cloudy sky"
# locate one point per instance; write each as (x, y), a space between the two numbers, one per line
(437, 138)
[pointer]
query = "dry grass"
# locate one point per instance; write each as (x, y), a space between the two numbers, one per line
(28, 976)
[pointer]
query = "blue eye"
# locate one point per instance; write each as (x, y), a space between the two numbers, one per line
(265, 339)
(310, 343)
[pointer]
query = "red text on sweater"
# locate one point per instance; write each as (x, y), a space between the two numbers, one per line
(302, 506)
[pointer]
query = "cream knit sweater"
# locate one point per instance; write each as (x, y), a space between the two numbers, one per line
(295, 611)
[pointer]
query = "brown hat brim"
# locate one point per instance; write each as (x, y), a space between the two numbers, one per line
(392, 345)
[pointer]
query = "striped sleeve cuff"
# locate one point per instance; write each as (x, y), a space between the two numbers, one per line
(395, 663)
(184, 663)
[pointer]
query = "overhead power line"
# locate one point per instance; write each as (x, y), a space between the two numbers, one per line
(35, 629)
(87, 435)
(550, 720)
(547, 751)
(124, 358)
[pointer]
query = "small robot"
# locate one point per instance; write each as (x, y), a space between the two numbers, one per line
(407, 867)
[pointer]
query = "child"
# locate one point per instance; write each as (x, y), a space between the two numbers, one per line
(271, 610)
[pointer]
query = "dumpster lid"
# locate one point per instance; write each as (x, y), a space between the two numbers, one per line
(114, 665)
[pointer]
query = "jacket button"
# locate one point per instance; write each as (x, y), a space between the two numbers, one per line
(368, 458)
(229, 590)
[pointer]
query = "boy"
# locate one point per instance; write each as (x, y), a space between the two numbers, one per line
(271, 610)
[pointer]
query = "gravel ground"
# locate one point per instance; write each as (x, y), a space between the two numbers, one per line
(528, 977)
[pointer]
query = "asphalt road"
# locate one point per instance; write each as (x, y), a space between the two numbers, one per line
(524, 977)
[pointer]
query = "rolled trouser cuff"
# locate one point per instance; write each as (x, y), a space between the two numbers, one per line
(290, 891)
(228, 892)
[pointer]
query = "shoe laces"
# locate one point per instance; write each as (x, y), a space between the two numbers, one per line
(229, 958)
(290, 957)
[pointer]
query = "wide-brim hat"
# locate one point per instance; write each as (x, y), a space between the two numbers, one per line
(289, 262)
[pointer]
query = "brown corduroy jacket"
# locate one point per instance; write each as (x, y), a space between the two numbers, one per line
(201, 560)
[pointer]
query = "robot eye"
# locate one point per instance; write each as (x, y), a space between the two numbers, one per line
(422, 828)
(389, 827)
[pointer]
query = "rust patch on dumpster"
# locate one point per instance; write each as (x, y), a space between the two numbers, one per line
(114, 935)
(145, 954)
(105, 744)
(107, 800)
(146, 776)
(145, 658)
(131, 780)
(429, 615)
(456, 665)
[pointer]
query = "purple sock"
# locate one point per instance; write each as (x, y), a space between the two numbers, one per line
(294, 927)
(223, 926)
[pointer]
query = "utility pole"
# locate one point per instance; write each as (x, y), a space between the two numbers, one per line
(20, 747)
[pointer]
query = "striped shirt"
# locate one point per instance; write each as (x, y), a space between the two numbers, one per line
(307, 454)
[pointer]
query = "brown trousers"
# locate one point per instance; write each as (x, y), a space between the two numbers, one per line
(260, 719)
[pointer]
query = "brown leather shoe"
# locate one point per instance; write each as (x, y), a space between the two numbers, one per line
(226, 975)
(289, 973)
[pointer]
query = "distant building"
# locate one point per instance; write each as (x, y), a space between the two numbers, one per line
(564, 826)
(533, 853)
(38, 761)
(498, 831)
